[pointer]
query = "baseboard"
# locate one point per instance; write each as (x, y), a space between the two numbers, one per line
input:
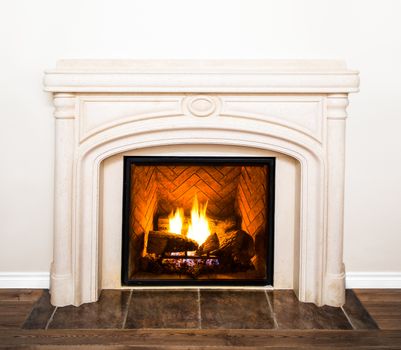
(24, 279)
(378, 280)
(353, 280)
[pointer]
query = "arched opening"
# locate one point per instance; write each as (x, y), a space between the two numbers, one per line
(287, 205)
(304, 271)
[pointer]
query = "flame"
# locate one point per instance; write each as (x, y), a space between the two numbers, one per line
(198, 226)
(176, 221)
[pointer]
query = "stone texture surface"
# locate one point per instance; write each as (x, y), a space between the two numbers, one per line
(357, 314)
(205, 309)
(108, 312)
(291, 314)
(235, 309)
(163, 309)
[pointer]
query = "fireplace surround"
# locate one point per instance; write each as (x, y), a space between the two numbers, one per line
(293, 111)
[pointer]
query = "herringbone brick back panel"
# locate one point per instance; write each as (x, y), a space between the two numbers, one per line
(251, 199)
(177, 186)
(229, 191)
(143, 208)
(143, 198)
(251, 207)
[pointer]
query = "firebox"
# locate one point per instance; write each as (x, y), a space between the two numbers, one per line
(198, 221)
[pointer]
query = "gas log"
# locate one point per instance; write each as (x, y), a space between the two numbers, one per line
(231, 246)
(212, 243)
(236, 246)
(160, 242)
(229, 251)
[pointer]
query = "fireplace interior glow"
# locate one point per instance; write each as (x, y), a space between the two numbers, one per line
(198, 220)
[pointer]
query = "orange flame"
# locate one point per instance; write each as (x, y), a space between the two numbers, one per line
(198, 226)
(176, 221)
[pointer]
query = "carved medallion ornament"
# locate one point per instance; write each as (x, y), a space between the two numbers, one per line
(201, 105)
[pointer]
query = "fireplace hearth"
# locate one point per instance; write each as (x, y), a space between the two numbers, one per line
(198, 221)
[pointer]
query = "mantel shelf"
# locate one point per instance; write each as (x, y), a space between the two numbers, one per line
(217, 76)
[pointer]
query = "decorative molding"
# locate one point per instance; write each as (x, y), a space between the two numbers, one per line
(373, 280)
(298, 112)
(25, 280)
(337, 106)
(237, 76)
(121, 109)
(335, 147)
(64, 106)
(201, 105)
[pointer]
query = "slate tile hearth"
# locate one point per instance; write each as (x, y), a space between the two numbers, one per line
(108, 312)
(235, 310)
(358, 315)
(163, 309)
(199, 309)
(291, 314)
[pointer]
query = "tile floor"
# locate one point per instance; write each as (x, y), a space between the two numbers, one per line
(199, 309)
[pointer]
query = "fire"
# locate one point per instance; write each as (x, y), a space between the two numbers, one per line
(176, 221)
(198, 226)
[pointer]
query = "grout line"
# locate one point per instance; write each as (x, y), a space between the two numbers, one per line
(348, 318)
(199, 310)
(126, 311)
(271, 310)
(51, 318)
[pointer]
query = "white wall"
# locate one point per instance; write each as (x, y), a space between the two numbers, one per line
(35, 34)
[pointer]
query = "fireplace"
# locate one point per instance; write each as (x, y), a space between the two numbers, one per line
(205, 115)
(198, 221)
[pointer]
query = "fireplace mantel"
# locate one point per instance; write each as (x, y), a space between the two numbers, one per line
(220, 76)
(105, 108)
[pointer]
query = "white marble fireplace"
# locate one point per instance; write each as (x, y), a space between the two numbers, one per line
(294, 111)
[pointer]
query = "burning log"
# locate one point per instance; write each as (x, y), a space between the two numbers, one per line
(236, 246)
(160, 242)
(212, 243)
(232, 253)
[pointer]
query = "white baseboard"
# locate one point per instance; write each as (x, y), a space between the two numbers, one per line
(378, 280)
(353, 280)
(24, 280)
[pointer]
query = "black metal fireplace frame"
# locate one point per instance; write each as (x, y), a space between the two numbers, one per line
(270, 162)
